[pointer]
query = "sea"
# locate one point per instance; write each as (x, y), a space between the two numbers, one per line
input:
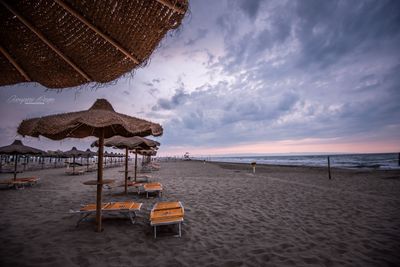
(353, 161)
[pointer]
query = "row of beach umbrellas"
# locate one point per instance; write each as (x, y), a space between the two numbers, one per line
(141, 146)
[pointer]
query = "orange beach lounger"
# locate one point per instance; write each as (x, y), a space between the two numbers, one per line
(20, 182)
(153, 188)
(127, 208)
(167, 213)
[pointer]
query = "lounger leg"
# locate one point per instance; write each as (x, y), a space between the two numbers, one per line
(83, 216)
(155, 232)
(180, 232)
(133, 218)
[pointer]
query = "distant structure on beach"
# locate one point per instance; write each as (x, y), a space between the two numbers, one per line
(186, 156)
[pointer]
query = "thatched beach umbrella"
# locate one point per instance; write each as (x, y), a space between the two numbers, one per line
(74, 152)
(100, 121)
(147, 153)
(89, 154)
(129, 143)
(65, 43)
(16, 149)
(57, 155)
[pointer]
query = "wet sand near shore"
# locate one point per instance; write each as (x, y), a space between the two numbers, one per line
(279, 216)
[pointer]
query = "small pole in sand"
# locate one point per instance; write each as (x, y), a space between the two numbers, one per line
(254, 167)
(329, 168)
(399, 159)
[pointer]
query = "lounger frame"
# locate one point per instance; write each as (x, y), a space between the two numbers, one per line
(131, 213)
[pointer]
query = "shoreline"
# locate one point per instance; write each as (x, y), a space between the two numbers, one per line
(302, 166)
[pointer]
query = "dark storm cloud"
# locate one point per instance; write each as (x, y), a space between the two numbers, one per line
(329, 30)
(167, 104)
(325, 31)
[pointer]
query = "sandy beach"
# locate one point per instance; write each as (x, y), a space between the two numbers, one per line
(280, 216)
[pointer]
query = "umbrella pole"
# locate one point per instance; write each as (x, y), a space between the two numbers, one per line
(73, 164)
(87, 163)
(126, 170)
(99, 181)
(15, 167)
(135, 164)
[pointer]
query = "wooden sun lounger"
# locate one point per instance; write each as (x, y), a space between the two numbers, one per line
(153, 188)
(138, 186)
(77, 172)
(143, 178)
(128, 208)
(20, 182)
(167, 213)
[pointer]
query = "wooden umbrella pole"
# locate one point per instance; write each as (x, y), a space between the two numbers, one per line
(135, 164)
(73, 164)
(15, 167)
(126, 170)
(99, 181)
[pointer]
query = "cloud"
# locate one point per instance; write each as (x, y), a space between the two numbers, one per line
(201, 33)
(250, 7)
(167, 104)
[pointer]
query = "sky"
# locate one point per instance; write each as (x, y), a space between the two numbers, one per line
(252, 76)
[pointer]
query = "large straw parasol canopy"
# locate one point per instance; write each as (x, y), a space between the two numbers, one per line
(100, 121)
(128, 142)
(101, 117)
(147, 152)
(65, 43)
